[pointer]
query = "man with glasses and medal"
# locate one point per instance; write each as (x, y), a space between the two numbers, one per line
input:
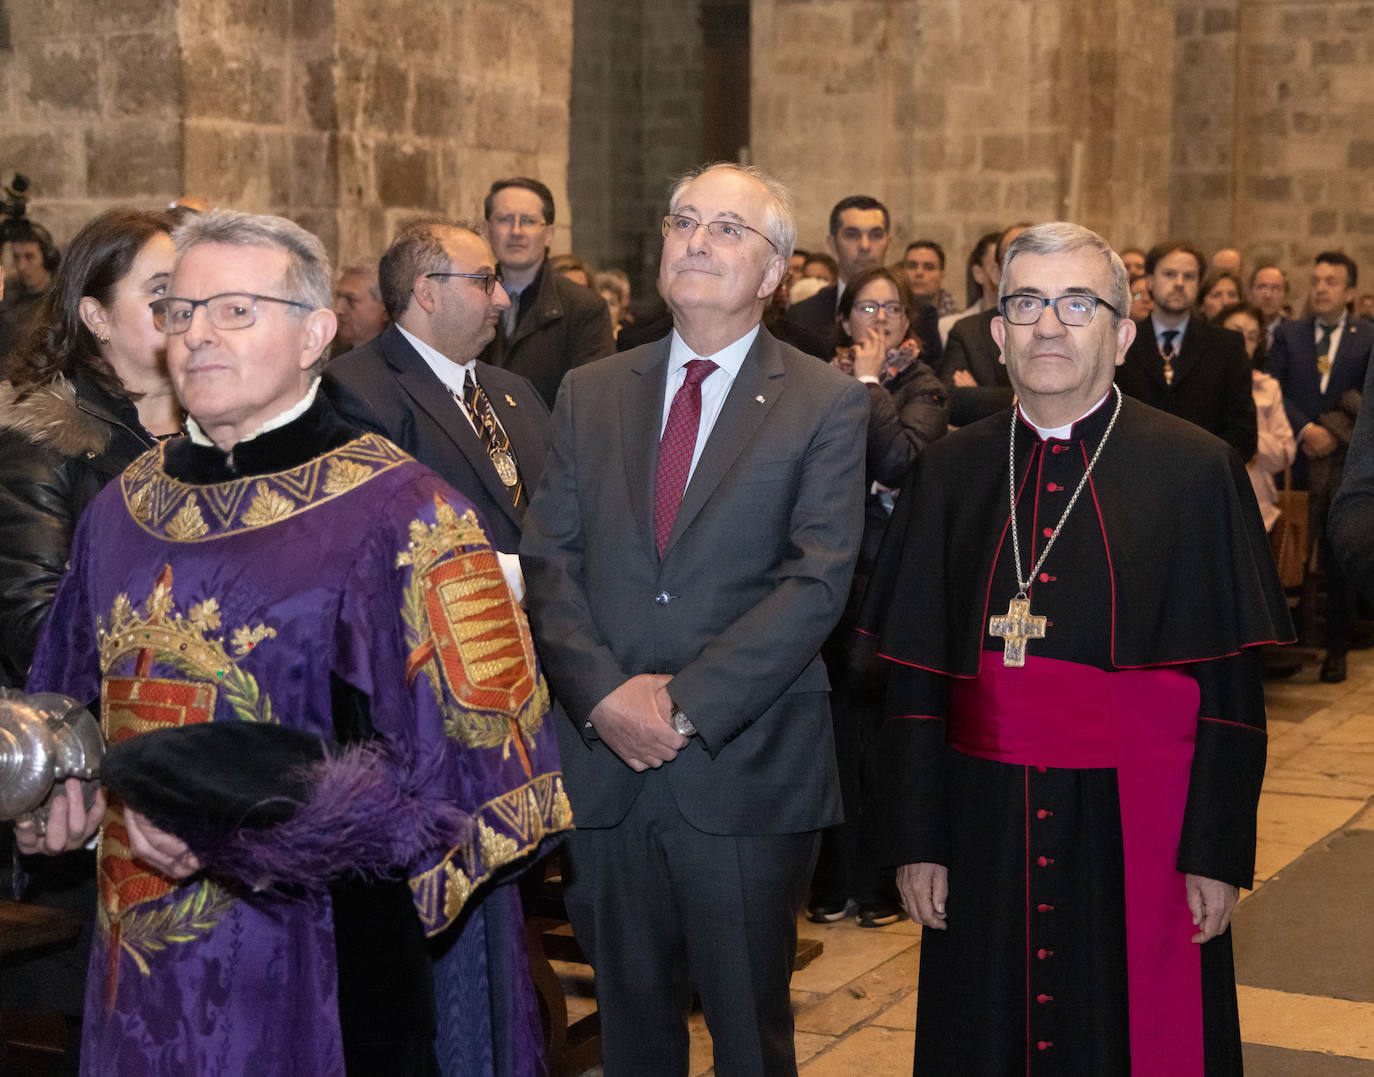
(328, 733)
(421, 385)
(1072, 593)
(687, 552)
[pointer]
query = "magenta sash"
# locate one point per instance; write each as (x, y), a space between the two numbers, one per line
(1143, 723)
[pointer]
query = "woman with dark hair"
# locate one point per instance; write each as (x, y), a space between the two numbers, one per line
(1221, 288)
(85, 394)
(1277, 447)
(877, 347)
(981, 277)
(908, 409)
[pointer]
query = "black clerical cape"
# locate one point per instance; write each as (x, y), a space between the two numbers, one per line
(1069, 797)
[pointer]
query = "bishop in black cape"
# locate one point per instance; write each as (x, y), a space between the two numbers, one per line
(1069, 798)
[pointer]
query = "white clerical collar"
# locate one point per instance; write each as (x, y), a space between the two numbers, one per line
(730, 358)
(295, 411)
(452, 374)
(1061, 433)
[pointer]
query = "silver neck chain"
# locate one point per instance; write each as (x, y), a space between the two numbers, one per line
(1023, 586)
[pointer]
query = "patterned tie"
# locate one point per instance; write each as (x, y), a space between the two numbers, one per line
(1324, 333)
(493, 435)
(675, 450)
(1167, 350)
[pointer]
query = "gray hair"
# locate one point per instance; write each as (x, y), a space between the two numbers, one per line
(308, 277)
(1063, 237)
(417, 249)
(779, 223)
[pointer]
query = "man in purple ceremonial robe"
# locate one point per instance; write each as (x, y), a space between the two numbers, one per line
(1072, 592)
(323, 701)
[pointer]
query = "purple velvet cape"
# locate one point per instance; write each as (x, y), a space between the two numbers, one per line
(360, 564)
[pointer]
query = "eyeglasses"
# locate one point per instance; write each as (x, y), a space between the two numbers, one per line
(869, 309)
(229, 310)
(489, 280)
(725, 232)
(1077, 308)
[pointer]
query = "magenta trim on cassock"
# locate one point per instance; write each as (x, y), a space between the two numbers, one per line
(1143, 723)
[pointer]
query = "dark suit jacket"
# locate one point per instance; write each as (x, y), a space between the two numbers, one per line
(816, 316)
(1293, 362)
(754, 577)
(970, 347)
(562, 325)
(385, 386)
(1352, 513)
(1211, 386)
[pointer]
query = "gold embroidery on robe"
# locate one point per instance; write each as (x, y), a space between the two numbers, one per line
(503, 830)
(467, 635)
(172, 509)
(268, 506)
(137, 704)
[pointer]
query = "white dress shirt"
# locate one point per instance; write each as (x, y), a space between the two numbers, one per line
(714, 388)
(454, 377)
(1336, 335)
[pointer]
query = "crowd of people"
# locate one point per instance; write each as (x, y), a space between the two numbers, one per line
(447, 558)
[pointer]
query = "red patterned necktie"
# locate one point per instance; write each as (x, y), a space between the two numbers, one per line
(675, 449)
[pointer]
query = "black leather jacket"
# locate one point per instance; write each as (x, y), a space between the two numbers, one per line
(59, 446)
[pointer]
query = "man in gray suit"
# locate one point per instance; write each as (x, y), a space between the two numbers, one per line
(687, 552)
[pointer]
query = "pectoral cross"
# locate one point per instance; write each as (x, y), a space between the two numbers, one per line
(1017, 626)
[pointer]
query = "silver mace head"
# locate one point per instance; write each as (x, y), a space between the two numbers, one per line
(45, 738)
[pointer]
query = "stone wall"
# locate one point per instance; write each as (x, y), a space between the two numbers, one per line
(1228, 122)
(1304, 170)
(91, 95)
(347, 115)
(962, 115)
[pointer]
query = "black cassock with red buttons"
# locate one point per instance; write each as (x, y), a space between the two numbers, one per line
(1161, 572)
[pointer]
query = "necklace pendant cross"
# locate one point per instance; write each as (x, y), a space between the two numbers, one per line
(1017, 626)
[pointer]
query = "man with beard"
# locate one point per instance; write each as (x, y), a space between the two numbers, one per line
(1180, 364)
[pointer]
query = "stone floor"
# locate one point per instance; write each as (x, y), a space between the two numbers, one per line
(856, 1004)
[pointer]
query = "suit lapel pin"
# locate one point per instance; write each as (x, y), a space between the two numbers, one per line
(760, 399)
(509, 400)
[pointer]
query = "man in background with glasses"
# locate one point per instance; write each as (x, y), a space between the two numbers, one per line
(860, 233)
(420, 383)
(688, 551)
(244, 601)
(1072, 594)
(553, 324)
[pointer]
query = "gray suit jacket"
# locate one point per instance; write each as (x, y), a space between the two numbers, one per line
(754, 577)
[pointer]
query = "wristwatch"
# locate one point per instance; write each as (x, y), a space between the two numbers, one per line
(681, 723)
